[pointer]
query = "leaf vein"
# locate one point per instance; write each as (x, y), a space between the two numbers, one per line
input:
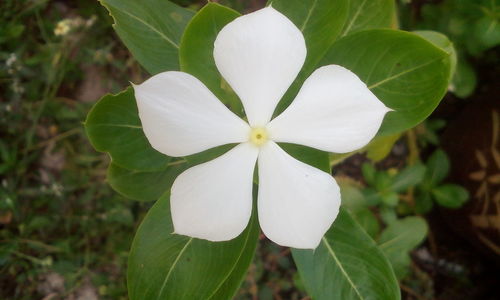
(330, 250)
(309, 13)
(356, 15)
(383, 81)
(173, 266)
(161, 34)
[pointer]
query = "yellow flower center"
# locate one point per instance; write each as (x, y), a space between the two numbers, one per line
(258, 136)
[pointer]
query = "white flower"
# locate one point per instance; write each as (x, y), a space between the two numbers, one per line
(259, 55)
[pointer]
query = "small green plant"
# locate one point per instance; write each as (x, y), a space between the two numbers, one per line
(432, 189)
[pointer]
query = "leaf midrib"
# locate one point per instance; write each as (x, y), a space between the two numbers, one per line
(392, 77)
(309, 13)
(354, 18)
(234, 266)
(173, 267)
(344, 272)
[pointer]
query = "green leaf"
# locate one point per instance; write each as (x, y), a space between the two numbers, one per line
(368, 14)
(380, 147)
(320, 21)
(113, 126)
(388, 214)
(310, 156)
(438, 166)
(440, 40)
(383, 181)
(399, 238)
(423, 202)
(408, 177)
(143, 185)
(368, 221)
(372, 196)
(196, 51)
(390, 199)
(352, 197)
(369, 172)
(450, 195)
(487, 30)
(464, 80)
(406, 72)
(346, 265)
(151, 30)
(164, 265)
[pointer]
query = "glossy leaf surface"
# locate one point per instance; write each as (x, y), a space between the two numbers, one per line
(143, 185)
(368, 14)
(151, 30)
(164, 265)
(346, 265)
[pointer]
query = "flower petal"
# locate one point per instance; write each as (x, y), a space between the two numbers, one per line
(297, 203)
(334, 111)
(213, 200)
(259, 55)
(180, 116)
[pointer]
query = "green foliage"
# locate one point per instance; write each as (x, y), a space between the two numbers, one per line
(406, 72)
(58, 219)
(196, 51)
(450, 195)
(142, 185)
(408, 177)
(114, 122)
(364, 14)
(346, 21)
(346, 265)
(399, 238)
(438, 167)
(151, 29)
(320, 21)
(385, 186)
(432, 187)
(473, 27)
(164, 265)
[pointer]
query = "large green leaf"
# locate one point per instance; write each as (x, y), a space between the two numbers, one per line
(346, 265)
(406, 72)
(197, 47)
(399, 238)
(143, 185)
(368, 14)
(113, 126)
(163, 265)
(151, 30)
(320, 22)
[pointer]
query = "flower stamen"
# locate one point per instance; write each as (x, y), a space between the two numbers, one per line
(258, 136)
